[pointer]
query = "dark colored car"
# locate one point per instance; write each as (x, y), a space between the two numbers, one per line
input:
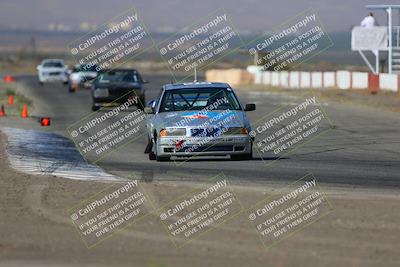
(116, 86)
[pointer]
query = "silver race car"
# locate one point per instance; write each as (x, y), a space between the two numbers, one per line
(198, 119)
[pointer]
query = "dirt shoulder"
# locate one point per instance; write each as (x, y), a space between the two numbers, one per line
(362, 230)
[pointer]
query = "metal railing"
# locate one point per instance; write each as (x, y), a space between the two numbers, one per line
(375, 38)
(396, 36)
(371, 33)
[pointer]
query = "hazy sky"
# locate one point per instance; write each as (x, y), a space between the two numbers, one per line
(337, 15)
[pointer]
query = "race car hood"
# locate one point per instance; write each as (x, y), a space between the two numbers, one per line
(88, 74)
(223, 118)
(82, 76)
(119, 85)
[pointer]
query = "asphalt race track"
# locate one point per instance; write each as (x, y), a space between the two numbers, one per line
(360, 151)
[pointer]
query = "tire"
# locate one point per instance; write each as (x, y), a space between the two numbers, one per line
(41, 83)
(152, 156)
(162, 158)
(242, 157)
(95, 108)
(149, 146)
(142, 103)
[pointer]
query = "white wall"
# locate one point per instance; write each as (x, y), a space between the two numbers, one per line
(343, 79)
(305, 79)
(359, 80)
(294, 79)
(275, 78)
(317, 79)
(284, 79)
(266, 79)
(388, 82)
(329, 79)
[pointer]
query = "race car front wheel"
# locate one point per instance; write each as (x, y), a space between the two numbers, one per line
(153, 153)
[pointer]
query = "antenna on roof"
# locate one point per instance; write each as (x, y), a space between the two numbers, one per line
(195, 74)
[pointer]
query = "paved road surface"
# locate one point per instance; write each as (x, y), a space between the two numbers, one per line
(361, 150)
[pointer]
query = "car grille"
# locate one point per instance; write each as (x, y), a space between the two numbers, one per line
(206, 132)
(54, 73)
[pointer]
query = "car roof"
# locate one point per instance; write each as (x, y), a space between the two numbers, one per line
(52, 60)
(80, 65)
(121, 69)
(174, 86)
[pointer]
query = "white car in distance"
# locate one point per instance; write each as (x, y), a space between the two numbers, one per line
(52, 70)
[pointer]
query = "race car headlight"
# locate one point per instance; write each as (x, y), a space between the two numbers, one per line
(236, 131)
(172, 132)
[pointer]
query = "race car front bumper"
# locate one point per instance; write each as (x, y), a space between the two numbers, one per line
(62, 77)
(190, 146)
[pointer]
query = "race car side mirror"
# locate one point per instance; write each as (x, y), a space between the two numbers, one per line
(250, 107)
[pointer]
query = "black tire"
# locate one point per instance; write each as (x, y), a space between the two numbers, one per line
(149, 147)
(41, 83)
(242, 157)
(95, 108)
(152, 156)
(163, 158)
(65, 83)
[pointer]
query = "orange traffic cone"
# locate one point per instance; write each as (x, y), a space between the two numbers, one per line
(24, 113)
(2, 112)
(10, 99)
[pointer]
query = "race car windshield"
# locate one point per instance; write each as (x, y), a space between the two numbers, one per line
(199, 99)
(119, 76)
(53, 65)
